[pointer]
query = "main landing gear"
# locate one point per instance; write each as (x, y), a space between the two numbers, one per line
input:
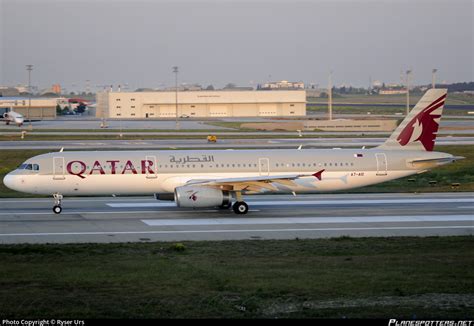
(57, 209)
(240, 207)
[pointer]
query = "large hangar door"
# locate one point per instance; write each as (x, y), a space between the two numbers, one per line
(168, 111)
(218, 111)
(267, 110)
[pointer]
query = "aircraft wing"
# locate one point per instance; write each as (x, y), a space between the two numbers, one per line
(254, 184)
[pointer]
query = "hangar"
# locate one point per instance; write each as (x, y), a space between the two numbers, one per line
(37, 108)
(212, 104)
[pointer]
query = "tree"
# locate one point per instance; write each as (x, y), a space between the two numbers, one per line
(59, 110)
(80, 108)
(210, 88)
(230, 86)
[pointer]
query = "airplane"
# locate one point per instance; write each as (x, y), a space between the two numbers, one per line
(13, 117)
(220, 178)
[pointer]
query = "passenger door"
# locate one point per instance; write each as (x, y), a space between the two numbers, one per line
(153, 167)
(381, 164)
(58, 168)
(264, 166)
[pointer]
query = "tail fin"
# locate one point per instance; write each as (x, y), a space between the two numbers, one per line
(418, 130)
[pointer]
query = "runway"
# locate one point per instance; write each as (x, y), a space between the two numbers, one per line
(221, 143)
(140, 219)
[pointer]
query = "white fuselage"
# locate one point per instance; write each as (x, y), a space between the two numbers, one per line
(14, 117)
(150, 172)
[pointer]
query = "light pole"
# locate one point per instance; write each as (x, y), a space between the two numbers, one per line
(408, 72)
(330, 95)
(433, 78)
(29, 68)
(175, 70)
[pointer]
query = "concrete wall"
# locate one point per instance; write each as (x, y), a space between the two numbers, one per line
(212, 104)
(326, 125)
(37, 113)
(350, 125)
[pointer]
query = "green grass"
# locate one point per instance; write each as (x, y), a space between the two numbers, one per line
(452, 99)
(378, 110)
(459, 172)
(117, 130)
(336, 278)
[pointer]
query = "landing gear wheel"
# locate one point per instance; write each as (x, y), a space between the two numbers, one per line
(57, 209)
(240, 207)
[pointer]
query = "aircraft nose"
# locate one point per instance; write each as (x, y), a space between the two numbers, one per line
(11, 181)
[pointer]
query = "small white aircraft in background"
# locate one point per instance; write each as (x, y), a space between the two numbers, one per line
(13, 117)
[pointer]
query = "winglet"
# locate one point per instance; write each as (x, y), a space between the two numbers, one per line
(318, 174)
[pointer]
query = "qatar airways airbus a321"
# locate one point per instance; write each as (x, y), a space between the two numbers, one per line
(218, 178)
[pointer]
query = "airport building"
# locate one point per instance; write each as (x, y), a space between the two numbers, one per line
(201, 104)
(38, 109)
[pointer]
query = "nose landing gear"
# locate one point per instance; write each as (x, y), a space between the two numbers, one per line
(57, 209)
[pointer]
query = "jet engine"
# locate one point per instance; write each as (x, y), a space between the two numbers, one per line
(5, 115)
(195, 196)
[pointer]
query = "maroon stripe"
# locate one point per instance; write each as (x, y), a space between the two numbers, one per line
(435, 102)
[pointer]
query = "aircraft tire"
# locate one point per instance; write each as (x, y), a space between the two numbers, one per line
(240, 207)
(57, 209)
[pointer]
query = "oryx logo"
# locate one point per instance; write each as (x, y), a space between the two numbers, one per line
(423, 127)
(193, 196)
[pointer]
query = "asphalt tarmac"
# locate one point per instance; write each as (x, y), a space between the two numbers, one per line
(143, 219)
(221, 143)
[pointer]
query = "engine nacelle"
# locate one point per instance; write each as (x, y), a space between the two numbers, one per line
(195, 196)
(5, 115)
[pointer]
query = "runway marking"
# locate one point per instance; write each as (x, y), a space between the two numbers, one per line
(309, 220)
(239, 231)
(317, 202)
(466, 207)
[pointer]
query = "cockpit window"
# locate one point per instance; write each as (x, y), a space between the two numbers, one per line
(32, 167)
